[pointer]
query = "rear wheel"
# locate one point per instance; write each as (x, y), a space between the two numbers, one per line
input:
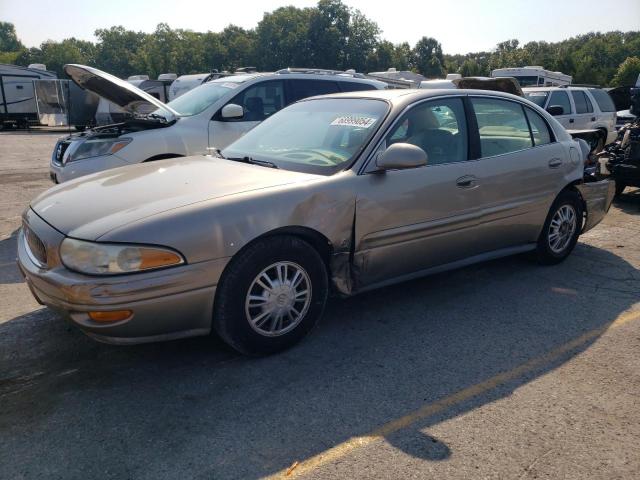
(561, 229)
(271, 296)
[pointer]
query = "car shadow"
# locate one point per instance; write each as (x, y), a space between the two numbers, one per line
(195, 409)
(9, 272)
(629, 201)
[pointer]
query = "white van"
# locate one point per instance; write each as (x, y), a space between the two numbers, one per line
(210, 116)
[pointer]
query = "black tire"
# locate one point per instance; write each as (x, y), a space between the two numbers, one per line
(619, 188)
(230, 320)
(547, 255)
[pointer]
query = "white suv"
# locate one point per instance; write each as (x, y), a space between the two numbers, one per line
(210, 116)
(583, 108)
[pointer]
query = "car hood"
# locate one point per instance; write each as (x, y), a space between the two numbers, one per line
(91, 206)
(130, 98)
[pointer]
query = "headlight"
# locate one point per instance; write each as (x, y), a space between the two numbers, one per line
(111, 259)
(98, 146)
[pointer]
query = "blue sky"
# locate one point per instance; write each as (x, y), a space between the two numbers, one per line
(460, 25)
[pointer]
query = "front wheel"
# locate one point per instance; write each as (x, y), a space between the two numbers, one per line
(271, 296)
(561, 229)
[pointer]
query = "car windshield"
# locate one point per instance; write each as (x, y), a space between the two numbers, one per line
(539, 98)
(316, 136)
(196, 100)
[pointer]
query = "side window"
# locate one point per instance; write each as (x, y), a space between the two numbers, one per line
(560, 99)
(502, 126)
(260, 101)
(582, 103)
(539, 128)
(603, 100)
(300, 89)
(438, 127)
(355, 87)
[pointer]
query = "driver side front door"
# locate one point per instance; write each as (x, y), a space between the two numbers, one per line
(259, 101)
(412, 220)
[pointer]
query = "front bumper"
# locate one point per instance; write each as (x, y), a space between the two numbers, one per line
(61, 173)
(166, 304)
(597, 197)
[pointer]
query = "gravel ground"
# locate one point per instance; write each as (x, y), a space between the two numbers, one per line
(500, 370)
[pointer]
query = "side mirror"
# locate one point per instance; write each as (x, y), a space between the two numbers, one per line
(400, 156)
(231, 110)
(555, 110)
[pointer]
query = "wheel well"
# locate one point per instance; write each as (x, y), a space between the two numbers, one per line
(163, 156)
(572, 187)
(317, 240)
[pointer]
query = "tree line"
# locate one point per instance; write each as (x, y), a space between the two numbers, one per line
(329, 35)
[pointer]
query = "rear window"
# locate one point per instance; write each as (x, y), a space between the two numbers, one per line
(603, 100)
(582, 102)
(356, 87)
(300, 89)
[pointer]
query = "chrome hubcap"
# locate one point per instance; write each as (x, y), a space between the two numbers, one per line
(563, 226)
(278, 299)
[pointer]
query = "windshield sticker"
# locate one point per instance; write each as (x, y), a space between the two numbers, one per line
(362, 122)
(230, 85)
(537, 94)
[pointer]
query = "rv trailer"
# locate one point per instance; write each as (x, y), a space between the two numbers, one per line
(17, 93)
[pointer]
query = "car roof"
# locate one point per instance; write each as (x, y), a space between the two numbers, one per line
(336, 77)
(549, 89)
(403, 96)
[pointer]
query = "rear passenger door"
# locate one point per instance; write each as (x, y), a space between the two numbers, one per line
(584, 117)
(520, 171)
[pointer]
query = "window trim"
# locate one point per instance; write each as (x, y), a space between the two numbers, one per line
(363, 170)
(523, 104)
(552, 134)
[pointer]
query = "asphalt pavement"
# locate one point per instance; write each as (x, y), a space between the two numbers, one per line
(506, 369)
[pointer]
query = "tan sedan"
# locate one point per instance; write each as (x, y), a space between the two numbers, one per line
(341, 193)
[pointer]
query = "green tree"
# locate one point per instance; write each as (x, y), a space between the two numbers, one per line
(628, 72)
(428, 57)
(282, 38)
(328, 33)
(9, 39)
(362, 40)
(117, 49)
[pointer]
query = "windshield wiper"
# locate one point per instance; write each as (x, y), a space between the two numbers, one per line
(253, 161)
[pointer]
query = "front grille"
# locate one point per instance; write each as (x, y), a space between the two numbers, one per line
(58, 153)
(36, 249)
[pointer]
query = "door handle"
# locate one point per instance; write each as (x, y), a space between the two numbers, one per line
(571, 120)
(593, 119)
(467, 181)
(555, 162)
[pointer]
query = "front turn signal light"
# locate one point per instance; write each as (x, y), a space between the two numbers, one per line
(108, 317)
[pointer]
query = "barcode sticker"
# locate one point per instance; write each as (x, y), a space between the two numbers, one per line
(362, 122)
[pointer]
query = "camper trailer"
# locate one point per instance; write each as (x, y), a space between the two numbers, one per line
(534, 76)
(17, 93)
(108, 112)
(184, 83)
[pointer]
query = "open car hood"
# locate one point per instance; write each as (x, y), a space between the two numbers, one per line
(118, 91)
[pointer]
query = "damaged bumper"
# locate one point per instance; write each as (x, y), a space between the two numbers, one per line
(597, 197)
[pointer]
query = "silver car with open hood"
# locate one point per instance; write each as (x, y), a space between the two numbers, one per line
(341, 193)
